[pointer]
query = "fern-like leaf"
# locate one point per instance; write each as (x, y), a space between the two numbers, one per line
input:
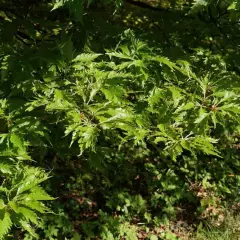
(5, 224)
(26, 226)
(37, 194)
(36, 205)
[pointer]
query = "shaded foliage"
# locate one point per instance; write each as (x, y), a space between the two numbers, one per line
(139, 128)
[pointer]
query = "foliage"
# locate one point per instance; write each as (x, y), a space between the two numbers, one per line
(138, 131)
(228, 230)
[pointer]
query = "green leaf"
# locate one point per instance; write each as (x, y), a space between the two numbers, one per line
(14, 206)
(88, 137)
(2, 204)
(37, 194)
(185, 107)
(76, 236)
(233, 6)
(5, 224)
(198, 5)
(32, 177)
(36, 205)
(115, 94)
(58, 4)
(176, 95)
(202, 115)
(6, 168)
(234, 108)
(17, 141)
(186, 145)
(165, 61)
(28, 214)
(205, 144)
(26, 226)
(86, 57)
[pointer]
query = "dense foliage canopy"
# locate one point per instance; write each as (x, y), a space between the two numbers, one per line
(118, 119)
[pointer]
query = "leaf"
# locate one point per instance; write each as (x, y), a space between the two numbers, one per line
(58, 95)
(28, 214)
(26, 226)
(232, 6)
(37, 194)
(125, 49)
(205, 144)
(6, 168)
(14, 206)
(186, 144)
(36, 205)
(32, 177)
(176, 95)
(76, 236)
(2, 205)
(185, 107)
(202, 116)
(114, 94)
(17, 141)
(58, 4)
(198, 5)
(214, 119)
(121, 56)
(165, 61)
(86, 57)
(5, 225)
(234, 108)
(88, 137)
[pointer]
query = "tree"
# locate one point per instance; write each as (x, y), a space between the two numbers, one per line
(129, 125)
